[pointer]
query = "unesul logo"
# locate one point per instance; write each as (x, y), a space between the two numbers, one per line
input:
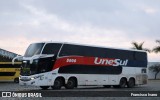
(112, 62)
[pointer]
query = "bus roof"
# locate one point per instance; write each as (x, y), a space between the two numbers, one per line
(90, 45)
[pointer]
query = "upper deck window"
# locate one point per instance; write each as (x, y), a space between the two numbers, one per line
(51, 48)
(69, 49)
(34, 49)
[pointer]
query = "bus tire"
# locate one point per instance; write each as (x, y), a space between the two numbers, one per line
(70, 84)
(44, 87)
(57, 84)
(131, 83)
(16, 80)
(107, 86)
(122, 83)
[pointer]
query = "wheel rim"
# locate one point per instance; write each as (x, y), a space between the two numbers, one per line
(131, 82)
(70, 83)
(57, 83)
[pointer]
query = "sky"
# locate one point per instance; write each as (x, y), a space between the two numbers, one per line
(108, 23)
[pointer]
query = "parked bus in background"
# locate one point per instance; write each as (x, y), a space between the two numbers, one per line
(48, 64)
(9, 72)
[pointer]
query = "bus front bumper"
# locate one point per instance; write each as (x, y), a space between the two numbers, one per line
(26, 80)
(37, 80)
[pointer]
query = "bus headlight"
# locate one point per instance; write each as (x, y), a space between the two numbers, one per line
(40, 76)
(34, 77)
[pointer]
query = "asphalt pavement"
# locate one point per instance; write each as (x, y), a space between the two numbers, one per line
(86, 92)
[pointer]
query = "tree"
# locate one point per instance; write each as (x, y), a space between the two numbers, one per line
(139, 46)
(157, 48)
(155, 68)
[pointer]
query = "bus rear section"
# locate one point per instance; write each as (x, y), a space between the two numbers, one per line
(70, 65)
(9, 72)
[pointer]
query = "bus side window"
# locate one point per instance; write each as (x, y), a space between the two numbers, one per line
(51, 48)
(143, 71)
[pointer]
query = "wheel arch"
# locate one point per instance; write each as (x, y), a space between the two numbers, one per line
(62, 78)
(123, 78)
(75, 78)
(133, 79)
(131, 82)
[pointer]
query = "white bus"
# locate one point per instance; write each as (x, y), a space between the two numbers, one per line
(48, 64)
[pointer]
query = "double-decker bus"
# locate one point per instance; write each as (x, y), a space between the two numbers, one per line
(9, 72)
(48, 64)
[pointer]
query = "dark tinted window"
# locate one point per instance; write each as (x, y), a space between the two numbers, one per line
(121, 54)
(7, 73)
(143, 71)
(45, 65)
(96, 52)
(34, 49)
(51, 48)
(81, 51)
(141, 56)
(10, 66)
(90, 69)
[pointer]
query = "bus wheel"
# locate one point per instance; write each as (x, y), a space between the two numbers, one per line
(16, 80)
(131, 83)
(44, 87)
(57, 84)
(122, 83)
(70, 84)
(107, 86)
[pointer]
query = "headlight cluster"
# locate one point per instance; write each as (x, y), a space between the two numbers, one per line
(40, 76)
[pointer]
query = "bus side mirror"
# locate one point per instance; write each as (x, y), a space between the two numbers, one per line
(17, 57)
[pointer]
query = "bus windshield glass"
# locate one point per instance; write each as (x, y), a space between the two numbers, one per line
(34, 49)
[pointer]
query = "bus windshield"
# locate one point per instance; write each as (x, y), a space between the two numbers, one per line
(34, 49)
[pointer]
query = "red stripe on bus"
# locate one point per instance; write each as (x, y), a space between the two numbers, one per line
(62, 62)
